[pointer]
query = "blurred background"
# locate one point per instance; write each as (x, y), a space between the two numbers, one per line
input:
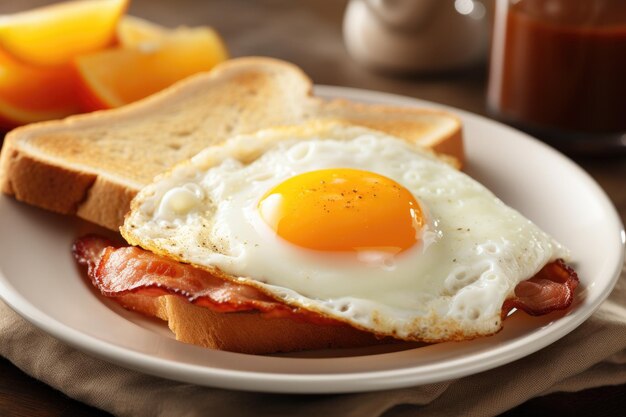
(310, 34)
(305, 32)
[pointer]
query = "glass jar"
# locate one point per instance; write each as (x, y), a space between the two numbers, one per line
(558, 71)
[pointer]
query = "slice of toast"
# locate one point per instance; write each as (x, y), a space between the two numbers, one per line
(246, 332)
(92, 165)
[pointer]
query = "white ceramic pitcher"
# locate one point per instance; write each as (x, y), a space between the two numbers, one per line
(417, 35)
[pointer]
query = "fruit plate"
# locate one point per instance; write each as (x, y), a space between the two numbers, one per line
(39, 280)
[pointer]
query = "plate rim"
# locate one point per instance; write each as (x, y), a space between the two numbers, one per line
(324, 383)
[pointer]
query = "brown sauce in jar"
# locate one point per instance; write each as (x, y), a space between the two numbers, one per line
(564, 65)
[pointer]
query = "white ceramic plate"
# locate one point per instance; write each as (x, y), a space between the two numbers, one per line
(40, 281)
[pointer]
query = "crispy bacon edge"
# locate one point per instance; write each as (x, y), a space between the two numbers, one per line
(96, 253)
(551, 289)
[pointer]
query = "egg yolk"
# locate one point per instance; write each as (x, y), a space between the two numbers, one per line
(343, 210)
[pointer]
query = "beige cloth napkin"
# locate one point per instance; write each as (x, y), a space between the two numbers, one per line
(592, 355)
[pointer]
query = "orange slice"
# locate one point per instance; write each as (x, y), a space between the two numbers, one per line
(133, 31)
(30, 94)
(53, 35)
(118, 76)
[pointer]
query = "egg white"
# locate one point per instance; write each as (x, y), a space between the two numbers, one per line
(451, 285)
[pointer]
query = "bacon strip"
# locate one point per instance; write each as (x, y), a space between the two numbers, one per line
(549, 290)
(119, 271)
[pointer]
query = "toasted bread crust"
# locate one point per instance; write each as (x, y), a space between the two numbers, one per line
(245, 332)
(97, 206)
(92, 165)
(234, 331)
(41, 183)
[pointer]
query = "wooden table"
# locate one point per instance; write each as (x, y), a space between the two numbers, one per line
(308, 33)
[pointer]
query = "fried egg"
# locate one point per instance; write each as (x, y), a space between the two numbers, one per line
(354, 224)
